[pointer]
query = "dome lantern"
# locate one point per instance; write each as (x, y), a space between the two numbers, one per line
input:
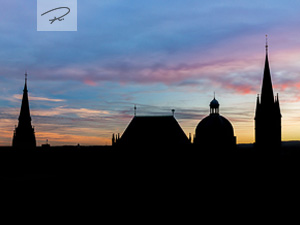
(214, 106)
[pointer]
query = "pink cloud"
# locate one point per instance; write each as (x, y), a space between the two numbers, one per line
(90, 82)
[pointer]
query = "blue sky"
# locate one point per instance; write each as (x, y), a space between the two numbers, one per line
(158, 55)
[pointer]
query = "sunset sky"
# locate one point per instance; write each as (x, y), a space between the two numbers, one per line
(155, 54)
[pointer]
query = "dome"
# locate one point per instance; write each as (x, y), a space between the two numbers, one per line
(214, 104)
(214, 125)
(215, 131)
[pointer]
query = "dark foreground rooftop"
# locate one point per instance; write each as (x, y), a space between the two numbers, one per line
(146, 180)
(103, 162)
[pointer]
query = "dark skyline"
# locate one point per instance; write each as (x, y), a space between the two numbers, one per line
(155, 55)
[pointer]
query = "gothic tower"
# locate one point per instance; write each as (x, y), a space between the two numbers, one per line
(24, 136)
(267, 115)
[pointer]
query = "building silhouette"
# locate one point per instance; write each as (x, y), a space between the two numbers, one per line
(215, 133)
(267, 114)
(145, 131)
(24, 136)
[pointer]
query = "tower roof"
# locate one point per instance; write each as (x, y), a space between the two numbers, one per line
(267, 95)
(24, 137)
(25, 112)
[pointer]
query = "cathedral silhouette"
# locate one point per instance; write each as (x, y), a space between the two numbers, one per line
(214, 132)
(157, 147)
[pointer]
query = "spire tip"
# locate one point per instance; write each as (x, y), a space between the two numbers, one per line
(267, 44)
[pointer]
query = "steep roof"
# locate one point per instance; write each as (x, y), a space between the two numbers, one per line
(153, 130)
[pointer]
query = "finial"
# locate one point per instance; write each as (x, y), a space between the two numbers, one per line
(214, 95)
(173, 112)
(25, 75)
(267, 43)
(134, 110)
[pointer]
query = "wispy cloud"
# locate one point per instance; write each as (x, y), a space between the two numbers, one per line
(61, 110)
(34, 98)
(156, 54)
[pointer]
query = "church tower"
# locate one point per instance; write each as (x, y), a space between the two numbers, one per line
(24, 136)
(267, 115)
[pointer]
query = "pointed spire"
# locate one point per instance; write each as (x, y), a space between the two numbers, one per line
(267, 95)
(24, 135)
(257, 106)
(24, 117)
(25, 86)
(267, 115)
(278, 105)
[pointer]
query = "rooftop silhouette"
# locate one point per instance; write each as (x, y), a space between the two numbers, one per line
(146, 131)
